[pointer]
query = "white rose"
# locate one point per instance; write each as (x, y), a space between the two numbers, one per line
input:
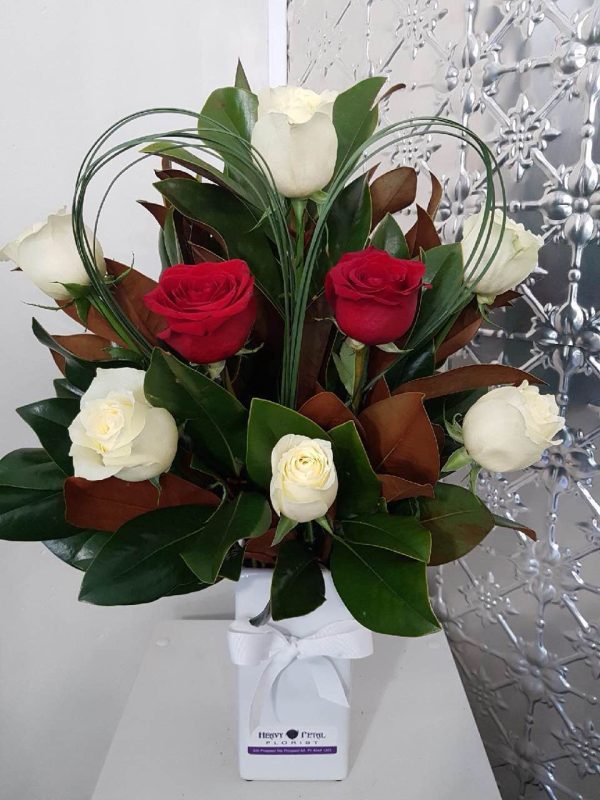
(514, 261)
(118, 433)
(295, 135)
(304, 483)
(48, 255)
(509, 428)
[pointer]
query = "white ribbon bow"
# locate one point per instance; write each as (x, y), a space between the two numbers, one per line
(250, 645)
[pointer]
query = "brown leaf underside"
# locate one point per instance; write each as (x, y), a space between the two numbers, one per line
(107, 505)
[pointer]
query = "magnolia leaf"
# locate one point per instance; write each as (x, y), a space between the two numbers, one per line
(383, 590)
(107, 505)
(297, 587)
(457, 521)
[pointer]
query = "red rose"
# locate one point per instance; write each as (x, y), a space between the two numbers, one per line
(374, 295)
(210, 308)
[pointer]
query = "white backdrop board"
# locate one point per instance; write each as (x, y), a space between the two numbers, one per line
(69, 70)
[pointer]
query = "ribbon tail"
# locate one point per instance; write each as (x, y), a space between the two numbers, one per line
(265, 687)
(330, 685)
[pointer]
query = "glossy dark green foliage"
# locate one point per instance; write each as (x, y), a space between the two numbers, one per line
(50, 419)
(297, 587)
(31, 468)
(389, 236)
(401, 534)
(349, 221)
(246, 516)
(359, 489)
(78, 372)
(457, 521)
(78, 550)
(141, 561)
(384, 591)
(355, 117)
(32, 515)
(219, 419)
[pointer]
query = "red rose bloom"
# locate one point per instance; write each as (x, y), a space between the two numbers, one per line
(374, 295)
(210, 308)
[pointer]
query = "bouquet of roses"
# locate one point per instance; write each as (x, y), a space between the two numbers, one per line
(280, 396)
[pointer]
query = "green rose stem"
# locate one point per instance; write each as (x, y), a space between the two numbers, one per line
(299, 208)
(361, 363)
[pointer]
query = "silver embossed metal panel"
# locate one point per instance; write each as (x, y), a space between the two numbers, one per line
(523, 617)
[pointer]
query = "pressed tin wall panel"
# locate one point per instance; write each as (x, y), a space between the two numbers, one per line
(523, 617)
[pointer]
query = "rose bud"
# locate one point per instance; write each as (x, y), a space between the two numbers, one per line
(210, 309)
(373, 295)
(304, 480)
(515, 260)
(118, 433)
(48, 255)
(296, 137)
(509, 428)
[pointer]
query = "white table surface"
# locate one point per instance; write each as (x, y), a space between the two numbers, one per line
(413, 734)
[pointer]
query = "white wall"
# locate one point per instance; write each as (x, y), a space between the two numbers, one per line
(69, 69)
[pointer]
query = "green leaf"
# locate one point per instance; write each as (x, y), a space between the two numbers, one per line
(185, 158)
(29, 515)
(297, 587)
(349, 220)
(389, 237)
(355, 116)
(50, 419)
(440, 257)
(78, 372)
(359, 489)
(241, 80)
(245, 517)
(31, 468)
(438, 304)
(284, 526)
(231, 568)
(232, 108)
(219, 419)
(219, 209)
(171, 240)
(141, 561)
(267, 424)
(345, 364)
(63, 388)
(382, 590)
(416, 364)
(79, 550)
(403, 535)
(457, 520)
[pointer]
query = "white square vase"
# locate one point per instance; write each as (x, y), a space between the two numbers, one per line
(300, 736)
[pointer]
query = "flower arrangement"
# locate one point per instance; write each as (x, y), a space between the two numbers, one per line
(280, 396)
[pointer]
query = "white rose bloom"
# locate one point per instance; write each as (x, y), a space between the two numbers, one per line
(47, 254)
(304, 483)
(295, 135)
(118, 433)
(514, 261)
(509, 428)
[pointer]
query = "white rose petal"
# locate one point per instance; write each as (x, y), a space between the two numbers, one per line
(509, 428)
(47, 254)
(296, 137)
(304, 481)
(515, 260)
(118, 433)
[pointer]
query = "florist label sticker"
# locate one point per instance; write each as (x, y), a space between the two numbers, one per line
(291, 741)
